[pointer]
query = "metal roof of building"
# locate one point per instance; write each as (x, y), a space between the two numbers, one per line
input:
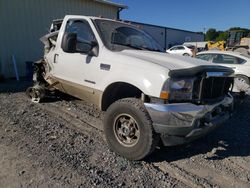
(112, 3)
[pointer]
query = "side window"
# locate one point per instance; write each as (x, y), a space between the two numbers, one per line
(226, 59)
(218, 58)
(181, 48)
(205, 57)
(83, 31)
(173, 48)
(177, 48)
(240, 61)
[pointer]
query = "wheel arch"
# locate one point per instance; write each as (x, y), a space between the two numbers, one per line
(116, 91)
(242, 75)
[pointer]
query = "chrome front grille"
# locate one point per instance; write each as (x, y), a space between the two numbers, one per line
(211, 89)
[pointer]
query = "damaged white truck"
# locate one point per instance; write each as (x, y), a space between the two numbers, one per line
(148, 95)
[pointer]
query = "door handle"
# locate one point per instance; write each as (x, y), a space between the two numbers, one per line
(55, 58)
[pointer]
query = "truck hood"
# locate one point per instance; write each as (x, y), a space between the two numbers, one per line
(179, 66)
(169, 61)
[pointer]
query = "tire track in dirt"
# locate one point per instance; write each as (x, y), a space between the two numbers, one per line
(241, 166)
(61, 112)
(241, 162)
(220, 178)
(76, 113)
(71, 118)
(226, 167)
(184, 175)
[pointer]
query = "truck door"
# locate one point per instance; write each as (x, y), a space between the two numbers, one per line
(72, 69)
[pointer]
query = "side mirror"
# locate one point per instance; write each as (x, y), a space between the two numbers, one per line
(94, 49)
(71, 45)
(69, 42)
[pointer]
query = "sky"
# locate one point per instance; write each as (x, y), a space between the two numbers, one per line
(193, 15)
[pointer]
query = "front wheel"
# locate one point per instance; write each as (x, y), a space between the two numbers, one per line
(186, 54)
(128, 129)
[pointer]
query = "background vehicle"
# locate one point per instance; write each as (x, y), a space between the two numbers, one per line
(237, 61)
(239, 41)
(147, 93)
(185, 50)
(200, 46)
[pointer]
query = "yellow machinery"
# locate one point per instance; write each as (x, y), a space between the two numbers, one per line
(219, 45)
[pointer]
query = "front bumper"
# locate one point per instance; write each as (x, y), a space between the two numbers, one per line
(180, 123)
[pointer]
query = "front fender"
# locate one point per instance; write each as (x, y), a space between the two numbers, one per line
(150, 83)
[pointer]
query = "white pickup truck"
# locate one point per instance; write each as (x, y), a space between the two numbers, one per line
(148, 95)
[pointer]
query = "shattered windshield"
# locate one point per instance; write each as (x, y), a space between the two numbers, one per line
(118, 36)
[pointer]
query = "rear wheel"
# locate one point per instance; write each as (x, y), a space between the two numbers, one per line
(36, 93)
(128, 129)
(186, 54)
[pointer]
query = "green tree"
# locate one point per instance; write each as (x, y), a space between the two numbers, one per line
(211, 34)
(222, 35)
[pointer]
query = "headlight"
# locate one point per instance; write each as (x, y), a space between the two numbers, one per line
(177, 89)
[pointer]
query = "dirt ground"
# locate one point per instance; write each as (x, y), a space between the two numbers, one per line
(53, 145)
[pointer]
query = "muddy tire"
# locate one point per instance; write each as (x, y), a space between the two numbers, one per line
(128, 129)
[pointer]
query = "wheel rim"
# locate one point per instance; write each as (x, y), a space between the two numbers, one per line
(126, 130)
(241, 84)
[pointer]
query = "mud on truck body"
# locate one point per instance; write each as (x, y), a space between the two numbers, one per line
(148, 95)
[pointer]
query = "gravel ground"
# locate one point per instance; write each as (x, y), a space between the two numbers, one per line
(53, 145)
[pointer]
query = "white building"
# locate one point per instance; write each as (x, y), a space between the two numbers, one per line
(23, 22)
